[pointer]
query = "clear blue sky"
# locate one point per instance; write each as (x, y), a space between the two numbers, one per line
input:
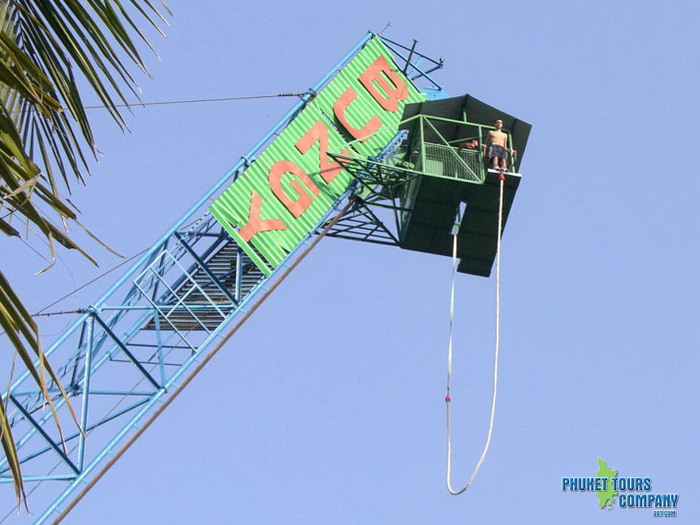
(327, 407)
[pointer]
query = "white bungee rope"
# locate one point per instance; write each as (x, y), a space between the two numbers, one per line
(448, 400)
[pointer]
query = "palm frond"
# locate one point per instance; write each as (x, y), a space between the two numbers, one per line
(46, 47)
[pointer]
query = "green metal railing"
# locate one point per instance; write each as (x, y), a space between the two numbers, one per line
(444, 158)
(448, 161)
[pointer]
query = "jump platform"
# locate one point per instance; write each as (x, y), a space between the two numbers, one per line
(433, 169)
(427, 227)
(452, 175)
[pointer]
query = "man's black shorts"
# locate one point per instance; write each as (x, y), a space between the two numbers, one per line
(497, 151)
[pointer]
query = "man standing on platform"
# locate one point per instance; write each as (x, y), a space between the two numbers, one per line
(497, 147)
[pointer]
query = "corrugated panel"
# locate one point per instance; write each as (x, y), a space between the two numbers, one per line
(274, 245)
(364, 107)
(267, 249)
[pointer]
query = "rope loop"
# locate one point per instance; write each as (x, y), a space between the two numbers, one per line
(495, 357)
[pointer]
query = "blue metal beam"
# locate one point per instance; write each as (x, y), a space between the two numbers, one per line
(55, 446)
(163, 319)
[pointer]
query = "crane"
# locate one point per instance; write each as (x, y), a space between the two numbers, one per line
(363, 155)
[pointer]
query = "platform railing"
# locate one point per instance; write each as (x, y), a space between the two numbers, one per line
(452, 162)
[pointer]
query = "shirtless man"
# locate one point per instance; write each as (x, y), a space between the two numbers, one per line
(497, 147)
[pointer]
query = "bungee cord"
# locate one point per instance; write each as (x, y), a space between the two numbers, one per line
(448, 399)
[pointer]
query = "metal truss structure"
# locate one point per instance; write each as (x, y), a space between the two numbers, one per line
(130, 351)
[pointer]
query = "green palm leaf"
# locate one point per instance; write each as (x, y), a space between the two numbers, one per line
(45, 135)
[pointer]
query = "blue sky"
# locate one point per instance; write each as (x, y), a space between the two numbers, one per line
(327, 407)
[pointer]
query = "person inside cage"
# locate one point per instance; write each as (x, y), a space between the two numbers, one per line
(470, 144)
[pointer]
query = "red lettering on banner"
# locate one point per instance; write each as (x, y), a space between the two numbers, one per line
(376, 72)
(339, 110)
(319, 133)
(304, 200)
(254, 224)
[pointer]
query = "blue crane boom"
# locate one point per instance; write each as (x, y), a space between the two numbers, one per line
(132, 349)
(360, 144)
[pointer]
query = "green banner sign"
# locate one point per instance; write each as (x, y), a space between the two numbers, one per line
(275, 203)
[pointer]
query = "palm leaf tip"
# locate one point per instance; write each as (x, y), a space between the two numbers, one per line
(48, 50)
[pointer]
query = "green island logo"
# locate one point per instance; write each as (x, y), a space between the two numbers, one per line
(626, 492)
(606, 498)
